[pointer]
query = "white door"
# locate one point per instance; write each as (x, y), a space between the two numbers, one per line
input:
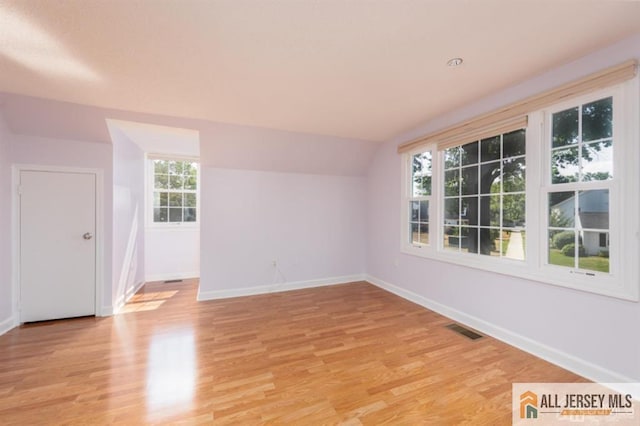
(57, 245)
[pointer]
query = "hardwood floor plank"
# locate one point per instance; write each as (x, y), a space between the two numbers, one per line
(351, 354)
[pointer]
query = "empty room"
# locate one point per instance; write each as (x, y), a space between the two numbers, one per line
(414, 212)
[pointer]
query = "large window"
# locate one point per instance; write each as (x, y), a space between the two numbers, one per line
(484, 196)
(175, 191)
(556, 201)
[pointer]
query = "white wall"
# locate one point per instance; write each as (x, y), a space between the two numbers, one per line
(594, 335)
(311, 225)
(172, 253)
(6, 320)
(271, 195)
(128, 217)
(68, 153)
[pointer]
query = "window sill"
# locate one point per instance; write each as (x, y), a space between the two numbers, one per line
(602, 284)
(173, 227)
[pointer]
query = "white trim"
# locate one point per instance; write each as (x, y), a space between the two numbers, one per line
(177, 276)
(562, 359)
(107, 311)
(124, 298)
(16, 169)
(276, 288)
(128, 261)
(8, 324)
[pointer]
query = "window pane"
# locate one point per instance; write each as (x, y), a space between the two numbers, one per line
(513, 175)
(415, 210)
(490, 149)
(160, 214)
(160, 199)
(470, 180)
(490, 178)
(190, 200)
(452, 158)
(469, 153)
(564, 165)
(419, 233)
(513, 210)
(558, 240)
(562, 209)
(161, 181)
(160, 167)
(513, 244)
(565, 127)
(593, 208)
(451, 183)
(415, 233)
(452, 238)
(175, 182)
(489, 242)
(514, 143)
(469, 212)
(422, 174)
(175, 199)
(424, 233)
(596, 262)
(175, 214)
(176, 167)
(424, 211)
(597, 161)
(189, 215)
(469, 240)
(189, 168)
(451, 211)
(597, 119)
(490, 210)
(190, 183)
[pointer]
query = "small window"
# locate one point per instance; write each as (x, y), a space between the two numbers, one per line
(421, 173)
(175, 191)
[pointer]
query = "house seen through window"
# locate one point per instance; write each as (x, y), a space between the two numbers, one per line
(581, 170)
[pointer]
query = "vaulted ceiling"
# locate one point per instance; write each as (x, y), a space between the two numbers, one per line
(357, 69)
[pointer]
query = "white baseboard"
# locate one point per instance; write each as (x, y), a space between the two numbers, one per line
(106, 311)
(124, 298)
(569, 362)
(167, 277)
(276, 288)
(7, 325)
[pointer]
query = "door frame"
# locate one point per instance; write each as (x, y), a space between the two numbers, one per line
(15, 232)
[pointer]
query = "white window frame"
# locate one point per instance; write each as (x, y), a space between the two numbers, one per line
(623, 281)
(150, 188)
(407, 196)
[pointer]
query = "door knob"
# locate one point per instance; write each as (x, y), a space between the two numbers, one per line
(87, 235)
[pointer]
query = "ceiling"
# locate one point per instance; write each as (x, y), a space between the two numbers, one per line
(356, 69)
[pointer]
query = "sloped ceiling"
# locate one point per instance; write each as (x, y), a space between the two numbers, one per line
(354, 69)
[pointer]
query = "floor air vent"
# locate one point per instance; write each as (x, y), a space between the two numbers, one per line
(464, 331)
(172, 281)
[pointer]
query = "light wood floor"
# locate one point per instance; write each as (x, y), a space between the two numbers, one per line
(351, 353)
